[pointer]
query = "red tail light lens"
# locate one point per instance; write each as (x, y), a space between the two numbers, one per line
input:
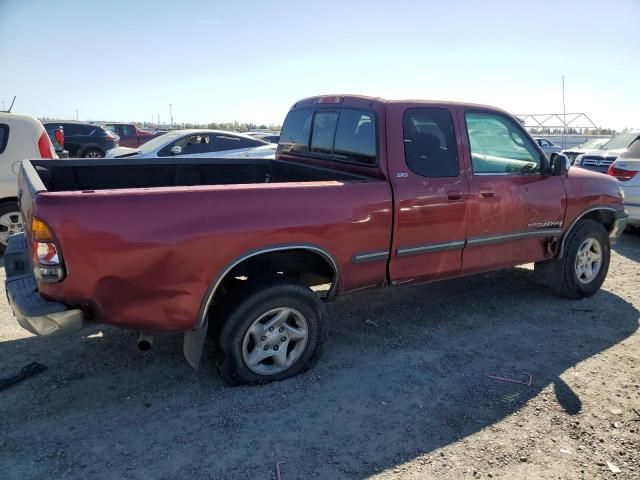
(59, 134)
(47, 261)
(45, 146)
(621, 174)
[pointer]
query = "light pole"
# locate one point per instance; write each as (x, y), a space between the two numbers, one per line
(564, 118)
(171, 113)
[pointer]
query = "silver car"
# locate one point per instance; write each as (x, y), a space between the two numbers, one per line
(547, 146)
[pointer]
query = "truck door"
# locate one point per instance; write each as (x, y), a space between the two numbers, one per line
(430, 191)
(515, 207)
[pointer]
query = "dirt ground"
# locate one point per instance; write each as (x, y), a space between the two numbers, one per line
(402, 391)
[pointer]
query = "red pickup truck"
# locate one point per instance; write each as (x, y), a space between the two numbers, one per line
(131, 135)
(363, 193)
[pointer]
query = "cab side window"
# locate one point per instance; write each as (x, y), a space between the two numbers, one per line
(430, 143)
(498, 146)
(4, 136)
(127, 131)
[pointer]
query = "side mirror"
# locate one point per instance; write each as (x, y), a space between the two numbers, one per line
(176, 150)
(559, 164)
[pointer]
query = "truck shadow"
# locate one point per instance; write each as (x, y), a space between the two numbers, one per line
(629, 245)
(405, 372)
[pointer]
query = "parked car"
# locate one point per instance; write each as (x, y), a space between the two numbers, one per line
(592, 144)
(601, 160)
(21, 136)
(193, 143)
(271, 137)
(85, 139)
(130, 134)
(626, 169)
(56, 135)
(363, 193)
(547, 146)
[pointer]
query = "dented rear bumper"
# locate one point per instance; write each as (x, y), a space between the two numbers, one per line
(33, 312)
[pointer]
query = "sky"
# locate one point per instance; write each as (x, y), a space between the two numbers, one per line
(250, 61)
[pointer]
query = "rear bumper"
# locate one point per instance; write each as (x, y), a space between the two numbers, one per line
(34, 313)
(619, 224)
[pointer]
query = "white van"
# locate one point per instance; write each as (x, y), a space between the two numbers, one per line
(21, 137)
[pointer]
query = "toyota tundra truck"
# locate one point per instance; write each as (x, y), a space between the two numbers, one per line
(363, 193)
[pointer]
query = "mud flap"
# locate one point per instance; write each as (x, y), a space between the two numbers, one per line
(194, 344)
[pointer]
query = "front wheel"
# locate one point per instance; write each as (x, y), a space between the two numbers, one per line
(583, 268)
(274, 332)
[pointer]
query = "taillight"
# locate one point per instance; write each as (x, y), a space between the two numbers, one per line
(45, 147)
(47, 261)
(620, 173)
(59, 134)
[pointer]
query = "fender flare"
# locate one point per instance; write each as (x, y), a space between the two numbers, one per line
(575, 222)
(215, 283)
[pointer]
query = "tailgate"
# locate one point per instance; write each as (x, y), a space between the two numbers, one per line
(29, 186)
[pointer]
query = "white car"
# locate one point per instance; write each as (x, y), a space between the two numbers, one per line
(626, 169)
(271, 137)
(21, 137)
(198, 144)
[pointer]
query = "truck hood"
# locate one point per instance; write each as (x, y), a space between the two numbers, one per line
(121, 152)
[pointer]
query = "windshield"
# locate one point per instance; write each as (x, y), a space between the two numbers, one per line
(160, 141)
(620, 141)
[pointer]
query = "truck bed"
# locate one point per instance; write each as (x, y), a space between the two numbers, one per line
(143, 240)
(81, 174)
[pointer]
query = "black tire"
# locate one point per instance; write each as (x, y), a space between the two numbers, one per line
(258, 299)
(5, 208)
(560, 275)
(93, 153)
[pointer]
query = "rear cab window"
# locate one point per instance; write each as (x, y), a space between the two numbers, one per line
(342, 134)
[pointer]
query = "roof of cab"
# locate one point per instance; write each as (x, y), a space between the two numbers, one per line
(349, 98)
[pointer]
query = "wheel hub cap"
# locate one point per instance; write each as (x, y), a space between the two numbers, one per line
(275, 341)
(588, 260)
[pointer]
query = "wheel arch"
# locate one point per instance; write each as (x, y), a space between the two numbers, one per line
(601, 214)
(321, 262)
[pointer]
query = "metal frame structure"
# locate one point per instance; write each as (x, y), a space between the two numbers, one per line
(566, 121)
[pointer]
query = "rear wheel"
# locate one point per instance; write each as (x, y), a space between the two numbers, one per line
(10, 223)
(93, 153)
(583, 268)
(274, 332)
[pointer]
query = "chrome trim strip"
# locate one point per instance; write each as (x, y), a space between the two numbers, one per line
(430, 248)
(476, 241)
(370, 256)
(213, 287)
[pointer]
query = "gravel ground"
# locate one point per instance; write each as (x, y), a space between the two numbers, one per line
(402, 391)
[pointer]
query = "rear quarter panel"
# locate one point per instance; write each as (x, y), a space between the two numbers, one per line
(144, 259)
